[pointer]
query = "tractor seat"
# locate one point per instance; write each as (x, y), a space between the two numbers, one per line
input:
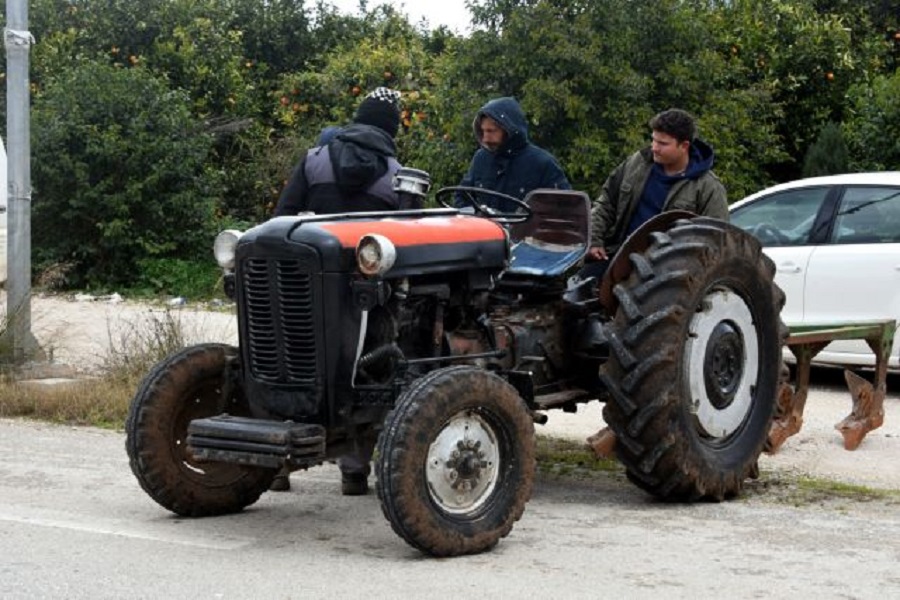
(555, 238)
(533, 257)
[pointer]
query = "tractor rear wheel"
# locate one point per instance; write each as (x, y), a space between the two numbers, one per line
(455, 461)
(189, 384)
(695, 361)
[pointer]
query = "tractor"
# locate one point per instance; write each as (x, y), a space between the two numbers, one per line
(445, 335)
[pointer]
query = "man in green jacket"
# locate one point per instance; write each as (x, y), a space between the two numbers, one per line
(673, 173)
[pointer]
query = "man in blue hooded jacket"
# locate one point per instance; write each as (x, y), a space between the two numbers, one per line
(507, 162)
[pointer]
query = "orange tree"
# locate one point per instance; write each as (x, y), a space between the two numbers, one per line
(227, 55)
(803, 58)
(872, 130)
(591, 74)
(260, 80)
(385, 51)
(762, 76)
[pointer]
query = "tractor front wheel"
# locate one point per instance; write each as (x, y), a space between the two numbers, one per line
(190, 384)
(455, 461)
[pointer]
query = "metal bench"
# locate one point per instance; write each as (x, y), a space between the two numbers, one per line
(868, 400)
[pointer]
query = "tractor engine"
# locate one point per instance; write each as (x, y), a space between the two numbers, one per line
(426, 326)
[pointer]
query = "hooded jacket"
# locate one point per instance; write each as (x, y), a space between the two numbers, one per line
(518, 166)
(352, 173)
(698, 190)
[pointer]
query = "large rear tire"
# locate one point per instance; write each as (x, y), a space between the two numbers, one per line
(189, 384)
(455, 462)
(695, 361)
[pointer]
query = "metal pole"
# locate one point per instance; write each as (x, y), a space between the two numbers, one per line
(18, 40)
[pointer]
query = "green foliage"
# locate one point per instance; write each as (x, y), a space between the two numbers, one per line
(828, 155)
(195, 279)
(742, 131)
(119, 174)
(803, 58)
(240, 88)
(205, 57)
(277, 34)
(592, 74)
(872, 129)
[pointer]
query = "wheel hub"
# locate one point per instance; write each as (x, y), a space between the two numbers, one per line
(462, 464)
(721, 362)
(724, 364)
(465, 464)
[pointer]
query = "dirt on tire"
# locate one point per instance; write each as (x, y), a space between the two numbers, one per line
(405, 462)
(188, 385)
(695, 361)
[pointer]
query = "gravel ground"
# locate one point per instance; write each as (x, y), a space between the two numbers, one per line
(80, 332)
(816, 451)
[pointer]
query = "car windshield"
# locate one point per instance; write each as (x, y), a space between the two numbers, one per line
(782, 219)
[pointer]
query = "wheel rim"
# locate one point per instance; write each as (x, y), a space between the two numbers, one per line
(463, 464)
(721, 363)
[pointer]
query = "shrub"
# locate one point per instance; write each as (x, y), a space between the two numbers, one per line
(193, 279)
(828, 155)
(119, 175)
(873, 129)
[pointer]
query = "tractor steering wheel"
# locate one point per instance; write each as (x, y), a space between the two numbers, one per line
(470, 195)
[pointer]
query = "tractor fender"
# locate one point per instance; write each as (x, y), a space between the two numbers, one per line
(620, 266)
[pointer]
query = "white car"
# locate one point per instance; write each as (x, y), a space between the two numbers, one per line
(836, 245)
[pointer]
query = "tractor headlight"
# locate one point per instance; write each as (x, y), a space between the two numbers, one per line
(224, 248)
(375, 254)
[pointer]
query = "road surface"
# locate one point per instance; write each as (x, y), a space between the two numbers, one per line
(75, 524)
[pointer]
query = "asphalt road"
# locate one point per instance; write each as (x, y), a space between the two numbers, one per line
(75, 524)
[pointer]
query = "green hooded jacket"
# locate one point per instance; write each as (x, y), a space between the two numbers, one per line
(699, 192)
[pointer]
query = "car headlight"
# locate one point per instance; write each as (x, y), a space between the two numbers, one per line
(224, 248)
(375, 254)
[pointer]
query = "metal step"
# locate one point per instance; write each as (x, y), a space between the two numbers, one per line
(256, 442)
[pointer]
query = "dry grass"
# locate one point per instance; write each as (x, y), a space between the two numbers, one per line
(134, 350)
(101, 400)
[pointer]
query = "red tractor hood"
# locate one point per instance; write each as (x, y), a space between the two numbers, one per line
(440, 242)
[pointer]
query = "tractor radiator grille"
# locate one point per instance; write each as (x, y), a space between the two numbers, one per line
(281, 338)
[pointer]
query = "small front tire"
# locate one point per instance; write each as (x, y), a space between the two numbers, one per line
(455, 462)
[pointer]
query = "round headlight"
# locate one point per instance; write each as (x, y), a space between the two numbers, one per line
(224, 248)
(375, 254)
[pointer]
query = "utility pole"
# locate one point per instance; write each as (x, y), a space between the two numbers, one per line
(18, 40)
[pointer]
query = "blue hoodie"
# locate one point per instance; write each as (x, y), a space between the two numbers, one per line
(518, 166)
(656, 189)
